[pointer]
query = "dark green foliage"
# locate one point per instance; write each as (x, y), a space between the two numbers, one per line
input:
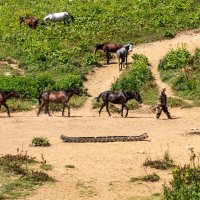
(169, 34)
(175, 59)
(164, 164)
(95, 21)
(147, 178)
(196, 60)
(135, 76)
(37, 177)
(30, 87)
(185, 184)
(185, 79)
(40, 141)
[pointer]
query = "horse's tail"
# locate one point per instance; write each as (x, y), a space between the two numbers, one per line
(97, 98)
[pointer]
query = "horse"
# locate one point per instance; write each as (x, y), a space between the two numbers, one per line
(61, 97)
(122, 55)
(30, 21)
(107, 47)
(5, 95)
(65, 16)
(118, 97)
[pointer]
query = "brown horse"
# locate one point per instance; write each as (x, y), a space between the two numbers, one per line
(30, 21)
(121, 97)
(107, 47)
(5, 95)
(61, 97)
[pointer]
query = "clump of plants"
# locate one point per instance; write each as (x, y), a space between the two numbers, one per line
(69, 166)
(163, 164)
(185, 183)
(40, 141)
(147, 178)
(175, 59)
(19, 175)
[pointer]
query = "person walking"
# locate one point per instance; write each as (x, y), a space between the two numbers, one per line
(162, 105)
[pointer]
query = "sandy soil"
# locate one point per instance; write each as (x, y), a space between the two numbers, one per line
(103, 171)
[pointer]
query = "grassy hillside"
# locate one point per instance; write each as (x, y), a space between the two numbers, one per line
(63, 49)
(57, 50)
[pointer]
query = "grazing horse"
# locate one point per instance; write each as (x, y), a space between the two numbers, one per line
(107, 47)
(30, 21)
(65, 16)
(122, 55)
(5, 95)
(61, 97)
(120, 97)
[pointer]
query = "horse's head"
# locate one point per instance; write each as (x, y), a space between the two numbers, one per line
(15, 94)
(75, 91)
(21, 19)
(138, 97)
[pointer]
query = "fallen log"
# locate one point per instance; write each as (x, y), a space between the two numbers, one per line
(104, 138)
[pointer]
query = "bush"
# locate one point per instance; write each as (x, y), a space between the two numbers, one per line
(136, 75)
(175, 59)
(40, 141)
(185, 184)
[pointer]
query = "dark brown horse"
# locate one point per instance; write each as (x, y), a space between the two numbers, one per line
(61, 97)
(120, 97)
(30, 21)
(107, 47)
(5, 95)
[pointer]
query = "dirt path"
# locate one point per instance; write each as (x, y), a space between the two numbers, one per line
(103, 171)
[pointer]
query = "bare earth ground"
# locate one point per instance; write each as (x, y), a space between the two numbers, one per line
(103, 170)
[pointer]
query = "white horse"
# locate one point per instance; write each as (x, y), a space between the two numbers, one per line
(65, 16)
(122, 55)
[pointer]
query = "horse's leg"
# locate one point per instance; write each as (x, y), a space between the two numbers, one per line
(102, 105)
(126, 109)
(63, 111)
(68, 110)
(40, 108)
(47, 109)
(107, 57)
(108, 109)
(122, 110)
(7, 109)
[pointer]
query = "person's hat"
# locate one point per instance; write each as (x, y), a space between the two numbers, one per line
(164, 89)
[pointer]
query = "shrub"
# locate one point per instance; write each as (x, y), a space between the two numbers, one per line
(196, 59)
(136, 75)
(185, 184)
(40, 141)
(176, 58)
(164, 164)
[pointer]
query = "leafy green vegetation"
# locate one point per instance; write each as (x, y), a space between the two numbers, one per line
(181, 70)
(56, 51)
(185, 184)
(40, 141)
(19, 175)
(138, 76)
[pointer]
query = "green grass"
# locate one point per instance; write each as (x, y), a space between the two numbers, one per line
(19, 176)
(62, 50)
(40, 142)
(147, 178)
